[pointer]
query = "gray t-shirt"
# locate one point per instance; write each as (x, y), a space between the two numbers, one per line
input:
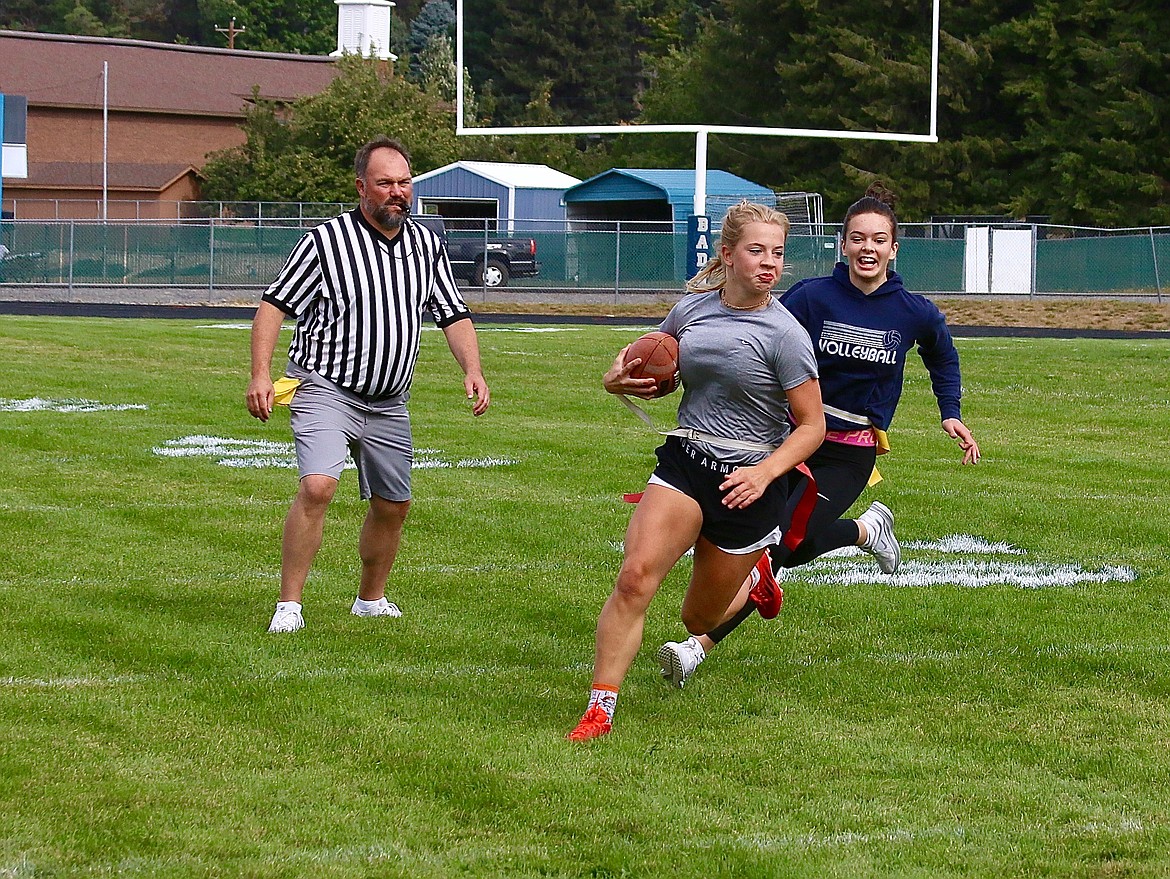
(735, 368)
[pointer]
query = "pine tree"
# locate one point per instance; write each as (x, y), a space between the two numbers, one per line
(436, 17)
(587, 51)
(1044, 108)
(1088, 89)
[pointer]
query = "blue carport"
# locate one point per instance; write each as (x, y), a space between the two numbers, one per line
(632, 221)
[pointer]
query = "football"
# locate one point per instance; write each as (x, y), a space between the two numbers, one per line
(659, 355)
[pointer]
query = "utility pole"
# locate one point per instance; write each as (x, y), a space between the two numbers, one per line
(231, 30)
(105, 139)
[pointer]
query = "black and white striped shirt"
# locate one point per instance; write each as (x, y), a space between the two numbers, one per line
(359, 297)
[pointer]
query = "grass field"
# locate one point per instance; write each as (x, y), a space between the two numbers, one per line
(998, 709)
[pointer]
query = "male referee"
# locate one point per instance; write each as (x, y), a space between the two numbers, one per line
(358, 286)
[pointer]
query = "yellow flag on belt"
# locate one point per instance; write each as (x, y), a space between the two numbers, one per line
(285, 388)
(883, 446)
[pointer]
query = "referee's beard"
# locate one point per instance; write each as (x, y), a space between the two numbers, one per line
(388, 219)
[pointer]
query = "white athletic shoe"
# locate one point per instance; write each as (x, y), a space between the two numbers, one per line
(286, 620)
(680, 659)
(381, 608)
(880, 541)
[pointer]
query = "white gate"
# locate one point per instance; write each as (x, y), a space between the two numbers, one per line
(999, 260)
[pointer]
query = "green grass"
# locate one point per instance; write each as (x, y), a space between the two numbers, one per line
(149, 726)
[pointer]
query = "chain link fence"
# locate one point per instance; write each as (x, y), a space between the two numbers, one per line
(612, 257)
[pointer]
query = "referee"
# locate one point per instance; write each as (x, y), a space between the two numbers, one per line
(357, 286)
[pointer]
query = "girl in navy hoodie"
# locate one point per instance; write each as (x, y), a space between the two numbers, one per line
(863, 323)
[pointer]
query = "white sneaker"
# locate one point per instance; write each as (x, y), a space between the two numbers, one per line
(286, 620)
(380, 608)
(880, 541)
(680, 659)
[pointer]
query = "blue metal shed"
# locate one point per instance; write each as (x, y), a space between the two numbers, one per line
(662, 195)
(499, 193)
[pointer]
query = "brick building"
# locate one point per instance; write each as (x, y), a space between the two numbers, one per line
(167, 106)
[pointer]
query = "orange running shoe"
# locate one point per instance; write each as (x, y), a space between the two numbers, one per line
(594, 724)
(767, 594)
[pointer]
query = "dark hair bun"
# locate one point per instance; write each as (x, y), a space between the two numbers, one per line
(878, 190)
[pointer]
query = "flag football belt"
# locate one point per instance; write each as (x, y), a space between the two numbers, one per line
(798, 527)
(698, 436)
(864, 437)
(869, 438)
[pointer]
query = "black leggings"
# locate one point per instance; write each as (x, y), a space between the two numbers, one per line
(842, 472)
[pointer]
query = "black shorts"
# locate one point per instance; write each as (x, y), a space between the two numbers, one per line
(741, 531)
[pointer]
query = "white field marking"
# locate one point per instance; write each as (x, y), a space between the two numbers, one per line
(832, 569)
(308, 674)
(843, 839)
(366, 854)
(967, 573)
(260, 462)
(486, 462)
(38, 508)
(954, 543)
(849, 566)
(494, 568)
(965, 544)
(1126, 826)
(1063, 651)
(36, 404)
(70, 683)
(15, 870)
(914, 657)
(843, 552)
(230, 452)
(440, 671)
(269, 453)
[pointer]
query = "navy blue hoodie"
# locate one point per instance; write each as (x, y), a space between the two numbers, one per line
(861, 344)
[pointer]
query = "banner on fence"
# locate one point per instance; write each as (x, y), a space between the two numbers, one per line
(698, 243)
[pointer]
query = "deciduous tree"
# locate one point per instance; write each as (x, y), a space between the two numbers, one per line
(305, 152)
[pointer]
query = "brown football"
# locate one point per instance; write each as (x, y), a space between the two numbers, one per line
(659, 355)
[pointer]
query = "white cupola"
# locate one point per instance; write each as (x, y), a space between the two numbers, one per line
(363, 28)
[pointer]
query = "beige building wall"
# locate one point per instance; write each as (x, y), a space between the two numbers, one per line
(122, 203)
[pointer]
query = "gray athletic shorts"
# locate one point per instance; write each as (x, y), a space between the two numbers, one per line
(327, 421)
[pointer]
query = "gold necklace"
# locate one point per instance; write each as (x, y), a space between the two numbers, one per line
(760, 304)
